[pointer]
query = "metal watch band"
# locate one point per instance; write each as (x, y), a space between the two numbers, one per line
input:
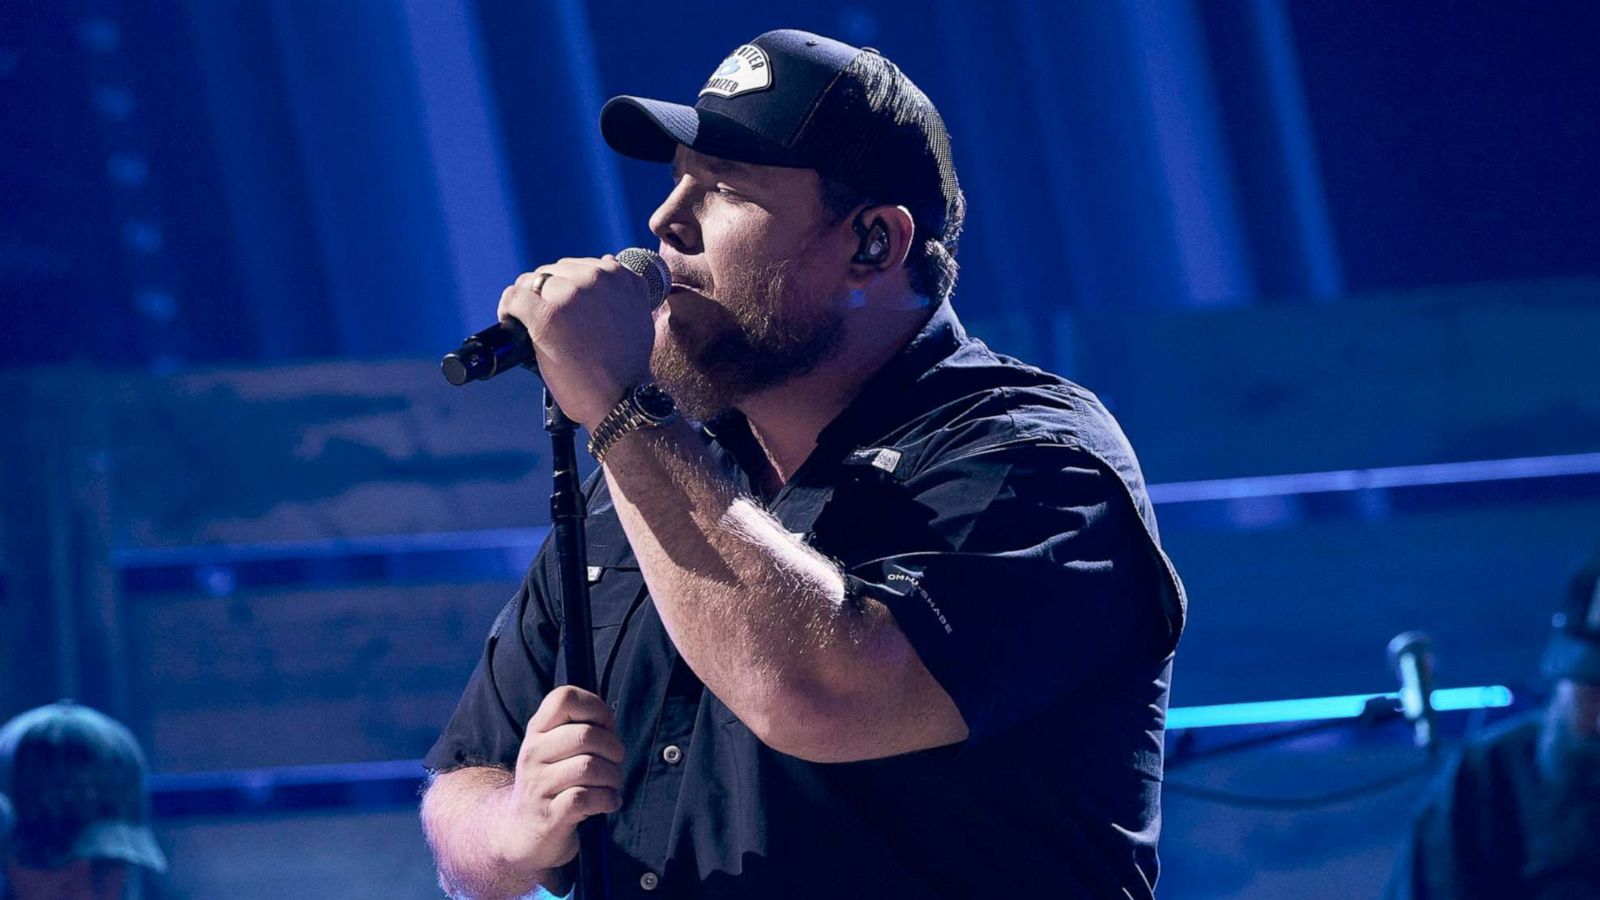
(624, 419)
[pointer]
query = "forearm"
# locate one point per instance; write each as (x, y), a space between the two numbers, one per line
(458, 812)
(761, 617)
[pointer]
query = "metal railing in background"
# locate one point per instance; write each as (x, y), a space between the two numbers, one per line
(395, 783)
(503, 553)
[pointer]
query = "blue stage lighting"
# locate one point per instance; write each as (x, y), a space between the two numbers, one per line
(1474, 472)
(1310, 709)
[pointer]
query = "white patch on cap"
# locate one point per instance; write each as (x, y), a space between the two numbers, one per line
(746, 69)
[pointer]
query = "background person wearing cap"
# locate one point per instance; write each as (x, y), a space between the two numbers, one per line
(75, 778)
(1516, 813)
(896, 622)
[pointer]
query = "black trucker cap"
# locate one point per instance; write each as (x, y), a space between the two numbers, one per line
(76, 782)
(1574, 647)
(792, 98)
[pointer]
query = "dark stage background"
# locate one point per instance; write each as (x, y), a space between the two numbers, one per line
(1354, 243)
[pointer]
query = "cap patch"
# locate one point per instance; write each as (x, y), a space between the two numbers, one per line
(746, 69)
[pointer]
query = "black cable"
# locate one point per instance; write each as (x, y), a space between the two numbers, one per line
(1378, 711)
(1344, 795)
(1185, 752)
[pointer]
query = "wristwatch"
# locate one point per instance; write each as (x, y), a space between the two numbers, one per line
(643, 406)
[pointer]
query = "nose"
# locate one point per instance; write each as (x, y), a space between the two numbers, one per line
(674, 220)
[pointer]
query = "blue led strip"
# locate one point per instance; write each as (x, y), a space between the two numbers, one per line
(395, 782)
(376, 545)
(221, 570)
(1311, 709)
(503, 553)
(1474, 472)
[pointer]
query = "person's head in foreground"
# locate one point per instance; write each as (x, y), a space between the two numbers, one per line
(1569, 747)
(75, 779)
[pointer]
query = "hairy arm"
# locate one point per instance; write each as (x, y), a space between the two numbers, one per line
(460, 833)
(499, 834)
(764, 620)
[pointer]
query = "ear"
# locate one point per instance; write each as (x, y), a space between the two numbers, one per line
(892, 224)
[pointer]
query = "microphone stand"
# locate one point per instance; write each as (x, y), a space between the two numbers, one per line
(567, 510)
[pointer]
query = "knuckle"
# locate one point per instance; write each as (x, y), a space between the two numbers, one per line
(573, 801)
(591, 769)
(586, 736)
(558, 297)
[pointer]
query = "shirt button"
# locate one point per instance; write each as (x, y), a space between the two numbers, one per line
(648, 881)
(672, 754)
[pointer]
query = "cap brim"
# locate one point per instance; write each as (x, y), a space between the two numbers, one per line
(652, 130)
(127, 841)
(1571, 657)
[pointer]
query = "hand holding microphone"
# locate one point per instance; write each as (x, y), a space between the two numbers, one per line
(583, 324)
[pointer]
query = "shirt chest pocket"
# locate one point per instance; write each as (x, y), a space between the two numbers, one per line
(616, 590)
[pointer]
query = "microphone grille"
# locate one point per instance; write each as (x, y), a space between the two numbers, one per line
(1408, 642)
(649, 265)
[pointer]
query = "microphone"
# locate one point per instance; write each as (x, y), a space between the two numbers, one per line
(1411, 658)
(506, 345)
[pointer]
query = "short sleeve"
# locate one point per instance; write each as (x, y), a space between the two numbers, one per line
(1018, 573)
(512, 677)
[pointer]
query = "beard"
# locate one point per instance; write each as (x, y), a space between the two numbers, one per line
(1569, 763)
(760, 332)
(1564, 835)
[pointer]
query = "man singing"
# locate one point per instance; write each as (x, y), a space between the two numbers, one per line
(880, 613)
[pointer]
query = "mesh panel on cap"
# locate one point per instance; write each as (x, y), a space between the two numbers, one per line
(904, 158)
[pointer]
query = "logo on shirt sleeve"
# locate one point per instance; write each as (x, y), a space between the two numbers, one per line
(746, 69)
(906, 585)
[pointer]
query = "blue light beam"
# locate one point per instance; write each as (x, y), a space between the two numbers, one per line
(1310, 709)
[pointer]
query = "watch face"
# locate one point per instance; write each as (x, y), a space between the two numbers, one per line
(656, 403)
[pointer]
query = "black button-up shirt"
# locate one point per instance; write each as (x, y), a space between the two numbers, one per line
(1000, 514)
